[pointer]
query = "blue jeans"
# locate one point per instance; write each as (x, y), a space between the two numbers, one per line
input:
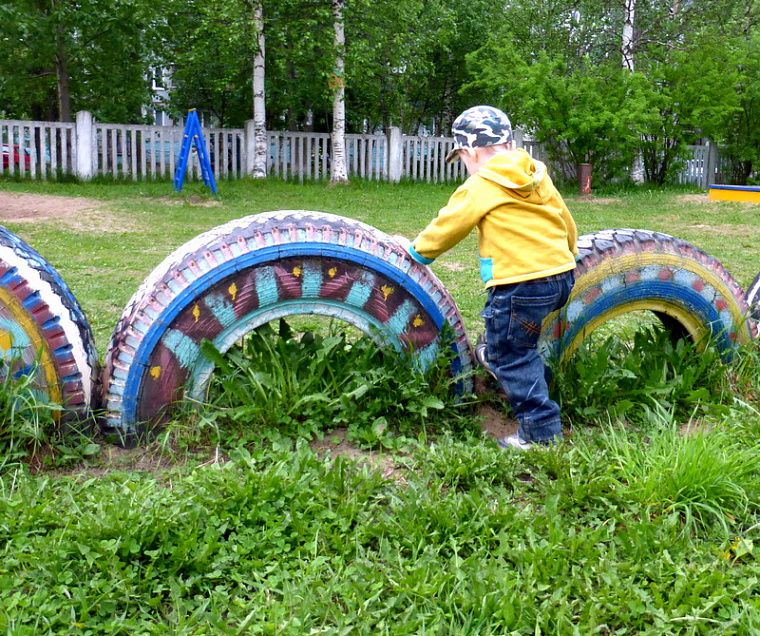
(513, 315)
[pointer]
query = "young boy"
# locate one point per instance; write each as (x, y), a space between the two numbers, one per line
(527, 256)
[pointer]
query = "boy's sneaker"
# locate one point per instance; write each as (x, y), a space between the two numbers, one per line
(481, 355)
(515, 441)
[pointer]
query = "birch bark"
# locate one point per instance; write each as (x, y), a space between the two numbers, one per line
(259, 96)
(338, 171)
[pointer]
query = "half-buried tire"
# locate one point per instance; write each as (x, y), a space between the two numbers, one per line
(753, 298)
(43, 331)
(621, 271)
(238, 276)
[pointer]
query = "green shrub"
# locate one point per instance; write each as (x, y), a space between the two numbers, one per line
(644, 379)
(303, 384)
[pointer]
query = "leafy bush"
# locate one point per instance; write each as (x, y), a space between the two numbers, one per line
(305, 383)
(642, 380)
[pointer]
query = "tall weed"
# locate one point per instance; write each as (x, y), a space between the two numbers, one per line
(305, 383)
(707, 479)
(26, 418)
(642, 380)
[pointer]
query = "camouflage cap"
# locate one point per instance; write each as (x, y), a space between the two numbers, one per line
(478, 127)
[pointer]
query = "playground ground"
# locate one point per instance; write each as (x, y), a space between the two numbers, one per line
(625, 530)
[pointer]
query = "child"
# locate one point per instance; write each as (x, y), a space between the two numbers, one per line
(527, 257)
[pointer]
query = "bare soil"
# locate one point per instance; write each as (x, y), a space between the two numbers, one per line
(78, 213)
(157, 461)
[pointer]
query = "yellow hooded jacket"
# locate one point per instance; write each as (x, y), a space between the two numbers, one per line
(525, 230)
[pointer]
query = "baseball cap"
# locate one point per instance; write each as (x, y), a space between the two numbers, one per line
(478, 127)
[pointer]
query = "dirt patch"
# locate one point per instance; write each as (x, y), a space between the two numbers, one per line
(193, 200)
(597, 200)
(724, 230)
(77, 213)
(495, 423)
(335, 443)
(694, 198)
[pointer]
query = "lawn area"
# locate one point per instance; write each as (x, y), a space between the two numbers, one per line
(647, 524)
(105, 252)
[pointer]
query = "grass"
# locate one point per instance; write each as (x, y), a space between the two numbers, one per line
(636, 524)
(106, 256)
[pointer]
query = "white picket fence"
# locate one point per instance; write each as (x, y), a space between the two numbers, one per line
(88, 148)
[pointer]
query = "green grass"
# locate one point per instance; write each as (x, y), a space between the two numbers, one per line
(633, 525)
(106, 257)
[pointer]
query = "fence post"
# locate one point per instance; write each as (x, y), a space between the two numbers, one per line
(84, 144)
(517, 135)
(709, 175)
(395, 168)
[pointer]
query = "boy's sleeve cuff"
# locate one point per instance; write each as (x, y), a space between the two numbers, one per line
(419, 257)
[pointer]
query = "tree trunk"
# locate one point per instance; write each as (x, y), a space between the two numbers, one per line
(61, 68)
(259, 97)
(627, 47)
(338, 171)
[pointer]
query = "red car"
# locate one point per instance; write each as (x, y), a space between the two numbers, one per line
(17, 153)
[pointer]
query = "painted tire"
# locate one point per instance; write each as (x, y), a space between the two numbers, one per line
(753, 298)
(624, 270)
(43, 329)
(231, 279)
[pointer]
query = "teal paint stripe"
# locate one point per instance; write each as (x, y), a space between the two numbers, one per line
(425, 357)
(312, 281)
(266, 286)
(223, 311)
(400, 319)
(20, 341)
(183, 347)
(361, 290)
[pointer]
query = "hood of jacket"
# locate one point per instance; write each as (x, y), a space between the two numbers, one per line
(516, 170)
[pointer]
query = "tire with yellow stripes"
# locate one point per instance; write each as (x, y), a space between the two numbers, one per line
(238, 276)
(43, 331)
(624, 270)
(753, 298)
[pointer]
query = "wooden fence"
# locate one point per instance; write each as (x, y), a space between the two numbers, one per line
(88, 148)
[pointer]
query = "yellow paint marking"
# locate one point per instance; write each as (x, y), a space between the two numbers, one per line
(196, 312)
(297, 271)
(155, 372)
(690, 322)
(22, 317)
(332, 271)
(6, 341)
(620, 264)
(387, 291)
(233, 291)
(418, 321)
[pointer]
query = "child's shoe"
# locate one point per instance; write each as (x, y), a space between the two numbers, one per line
(515, 441)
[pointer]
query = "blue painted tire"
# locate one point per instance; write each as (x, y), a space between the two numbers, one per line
(231, 279)
(753, 298)
(43, 330)
(624, 270)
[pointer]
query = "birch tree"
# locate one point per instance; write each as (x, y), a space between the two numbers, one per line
(629, 8)
(259, 99)
(338, 171)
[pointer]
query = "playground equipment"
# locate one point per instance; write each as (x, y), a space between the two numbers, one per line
(229, 280)
(745, 194)
(240, 275)
(43, 331)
